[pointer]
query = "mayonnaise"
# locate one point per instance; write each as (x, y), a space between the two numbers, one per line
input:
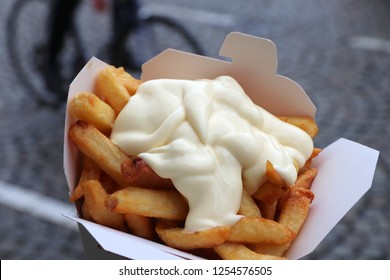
(211, 140)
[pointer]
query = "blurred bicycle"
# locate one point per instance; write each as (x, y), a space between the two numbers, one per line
(47, 49)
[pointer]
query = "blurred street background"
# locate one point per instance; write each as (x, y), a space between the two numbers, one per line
(338, 51)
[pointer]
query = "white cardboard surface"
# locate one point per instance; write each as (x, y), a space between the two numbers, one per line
(130, 246)
(337, 186)
(254, 65)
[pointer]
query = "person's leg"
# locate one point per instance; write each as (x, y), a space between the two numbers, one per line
(124, 19)
(60, 21)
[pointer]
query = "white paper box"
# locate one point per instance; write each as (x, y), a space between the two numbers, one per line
(337, 187)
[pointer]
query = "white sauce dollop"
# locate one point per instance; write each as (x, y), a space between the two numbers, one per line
(211, 140)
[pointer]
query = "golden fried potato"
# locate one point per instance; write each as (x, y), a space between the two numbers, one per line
(140, 225)
(168, 204)
(270, 249)
(260, 230)
(307, 124)
(179, 238)
(305, 178)
(269, 193)
(268, 210)
(248, 206)
(295, 208)
(114, 86)
(87, 107)
(90, 171)
(237, 251)
(92, 143)
(273, 176)
(94, 197)
(138, 174)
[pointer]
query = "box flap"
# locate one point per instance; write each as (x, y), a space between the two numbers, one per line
(84, 81)
(254, 65)
(130, 246)
(345, 173)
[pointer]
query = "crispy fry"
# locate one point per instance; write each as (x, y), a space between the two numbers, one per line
(295, 208)
(236, 251)
(92, 143)
(184, 240)
(316, 152)
(293, 214)
(140, 225)
(90, 171)
(268, 210)
(129, 82)
(168, 204)
(86, 212)
(307, 124)
(305, 179)
(109, 184)
(94, 197)
(273, 175)
(269, 249)
(248, 206)
(269, 192)
(112, 85)
(88, 107)
(137, 173)
(260, 230)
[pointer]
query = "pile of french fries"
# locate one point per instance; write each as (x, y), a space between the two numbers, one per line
(120, 191)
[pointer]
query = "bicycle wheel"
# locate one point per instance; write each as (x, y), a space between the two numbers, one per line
(27, 43)
(153, 35)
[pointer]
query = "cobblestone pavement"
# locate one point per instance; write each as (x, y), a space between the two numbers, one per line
(338, 51)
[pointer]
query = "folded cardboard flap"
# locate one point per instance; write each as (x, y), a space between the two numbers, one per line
(97, 237)
(254, 65)
(337, 186)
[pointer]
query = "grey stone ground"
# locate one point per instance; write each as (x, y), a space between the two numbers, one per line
(339, 51)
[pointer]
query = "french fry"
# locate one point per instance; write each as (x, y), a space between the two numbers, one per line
(92, 143)
(305, 179)
(87, 107)
(184, 240)
(167, 204)
(114, 86)
(94, 197)
(248, 206)
(85, 211)
(274, 188)
(129, 82)
(137, 173)
(295, 208)
(269, 192)
(273, 175)
(307, 124)
(140, 225)
(316, 152)
(237, 251)
(268, 210)
(109, 184)
(293, 214)
(260, 230)
(90, 171)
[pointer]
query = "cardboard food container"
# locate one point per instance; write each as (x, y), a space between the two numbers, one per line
(337, 186)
